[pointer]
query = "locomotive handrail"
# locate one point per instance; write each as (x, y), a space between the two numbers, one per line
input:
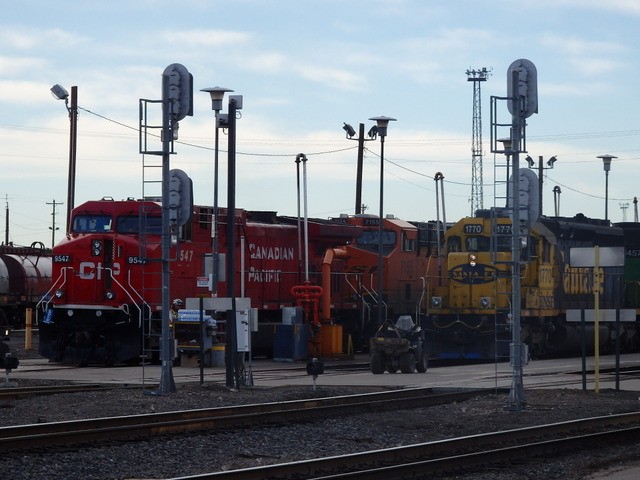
(378, 297)
(142, 300)
(365, 304)
(110, 270)
(46, 298)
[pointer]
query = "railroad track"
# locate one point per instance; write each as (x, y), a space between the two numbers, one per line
(26, 392)
(450, 456)
(100, 430)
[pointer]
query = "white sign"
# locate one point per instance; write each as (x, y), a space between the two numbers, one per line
(586, 257)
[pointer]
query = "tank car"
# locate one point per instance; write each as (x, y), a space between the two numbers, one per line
(25, 275)
(105, 302)
(469, 313)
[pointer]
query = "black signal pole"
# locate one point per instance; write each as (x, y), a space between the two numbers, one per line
(231, 343)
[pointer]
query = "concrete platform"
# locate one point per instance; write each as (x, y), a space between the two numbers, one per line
(557, 373)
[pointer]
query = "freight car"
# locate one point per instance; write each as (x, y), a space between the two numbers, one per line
(468, 311)
(105, 301)
(25, 276)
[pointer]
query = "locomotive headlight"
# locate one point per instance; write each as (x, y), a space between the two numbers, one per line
(98, 313)
(485, 302)
(436, 302)
(472, 260)
(69, 313)
(96, 247)
(59, 293)
(109, 295)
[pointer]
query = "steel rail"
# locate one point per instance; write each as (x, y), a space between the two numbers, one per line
(451, 455)
(92, 431)
(26, 392)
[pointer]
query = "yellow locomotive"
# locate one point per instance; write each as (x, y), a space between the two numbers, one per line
(468, 305)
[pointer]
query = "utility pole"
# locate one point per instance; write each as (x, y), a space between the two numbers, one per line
(476, 76)
(6, 221)
(53, 227)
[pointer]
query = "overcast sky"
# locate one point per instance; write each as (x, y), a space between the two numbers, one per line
(303, 68)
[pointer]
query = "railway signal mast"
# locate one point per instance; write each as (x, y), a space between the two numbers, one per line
(476, 76)
(522, 102)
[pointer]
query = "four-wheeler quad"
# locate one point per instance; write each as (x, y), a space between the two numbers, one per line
(400, 346)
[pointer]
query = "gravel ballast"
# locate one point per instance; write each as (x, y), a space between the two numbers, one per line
(173, 456)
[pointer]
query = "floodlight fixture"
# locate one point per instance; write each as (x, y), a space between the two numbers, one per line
(349, 129)
(59, 92)
(530, 161)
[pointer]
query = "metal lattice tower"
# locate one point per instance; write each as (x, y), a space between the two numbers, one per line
(476, 76)
(623, 207)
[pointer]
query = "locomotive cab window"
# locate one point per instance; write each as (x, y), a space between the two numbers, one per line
(477, 244)
(371, 237)
(186, 232)
(134, 224)
(454, 244)
(91, 223)
(408, 244)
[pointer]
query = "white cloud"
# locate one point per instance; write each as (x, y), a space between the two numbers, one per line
(332, 77)
(207, 38)
(20, 38)
(577, 46)
(620, 6)
(267, 63)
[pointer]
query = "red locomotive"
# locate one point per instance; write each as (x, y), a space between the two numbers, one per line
(105, 299)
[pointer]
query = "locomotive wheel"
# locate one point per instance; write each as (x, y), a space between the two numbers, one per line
(377, 363)
(407, 362)
(392, 367)
(422, 361)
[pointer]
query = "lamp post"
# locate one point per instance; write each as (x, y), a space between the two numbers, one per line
(556, 199)
(350, 136)
(217, 94)
(541, 169)
(382, 124)
(606, 163)
(59, 92)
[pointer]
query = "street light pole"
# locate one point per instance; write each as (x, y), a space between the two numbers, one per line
(606, 163)
(556, 199)
(217, 94)
(59, 92)
(382, 124)
(541, 170)
(350, 135)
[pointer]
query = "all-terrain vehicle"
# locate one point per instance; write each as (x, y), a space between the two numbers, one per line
(398, 346)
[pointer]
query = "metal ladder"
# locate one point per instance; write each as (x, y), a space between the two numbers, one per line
(151, 288)
(150, 132)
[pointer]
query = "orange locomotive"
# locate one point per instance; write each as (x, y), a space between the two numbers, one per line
(409, 252)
